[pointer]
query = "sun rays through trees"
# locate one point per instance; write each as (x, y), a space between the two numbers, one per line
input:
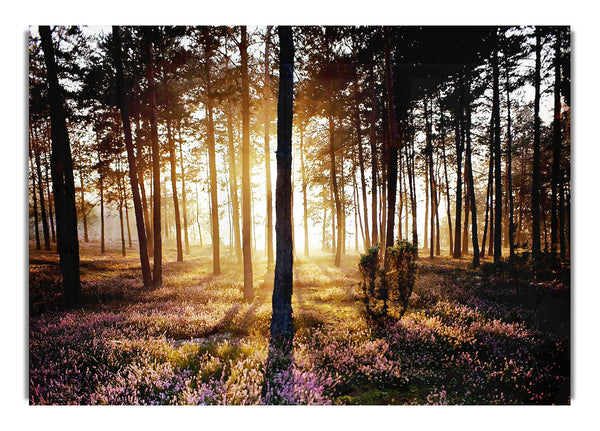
(153, 219)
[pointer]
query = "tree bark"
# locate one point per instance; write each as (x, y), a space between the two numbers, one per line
(216, 240)
(361, 163)
(45, 228)
(281, 322)
(133, 175)
(304, 191)
(156, 194)
(556, 144)
(183, 194)
(62, 180)
(394, 142)
(269, 195)
(35, 206)
(511, 205)
(372, 140)
(448, 211)
(535, 186)
(470, 183)
(246, 192)
(233, 183)
(497, 160)
(459, 150)
(173, 164)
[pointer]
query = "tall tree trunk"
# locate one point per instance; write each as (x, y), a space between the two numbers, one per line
(35, 206)
(86, 237)
(62, 180)
(246, 192)
(372, 140)
(183, 193)
(101, 187)
(410, 160)
(173, 163)
(198, 216)
(511, 205)
(120, 206)
(133, 175)
(269, 195)
(556, 144)
(448, 211)
(470, 182)
(45, 229)
(335, 191)
(535, 187)
(459, 150)
(233, 185)
(140, 166)
(127, 223)
(361, 162)
(47, 165)
(156, 194)
(281, 322)
(216, 240)
(394, 142)
(467, 206)
(304, 191)
(430, 174)
(497, 161)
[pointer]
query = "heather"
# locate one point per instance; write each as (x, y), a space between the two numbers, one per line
(467, 337)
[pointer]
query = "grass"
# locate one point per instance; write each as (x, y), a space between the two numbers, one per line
(468, 337)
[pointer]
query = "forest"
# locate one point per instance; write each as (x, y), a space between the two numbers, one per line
(346, 215)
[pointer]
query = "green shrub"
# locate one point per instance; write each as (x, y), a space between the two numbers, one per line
(386, 291)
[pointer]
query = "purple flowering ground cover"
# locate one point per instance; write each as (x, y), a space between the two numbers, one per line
(468, 338)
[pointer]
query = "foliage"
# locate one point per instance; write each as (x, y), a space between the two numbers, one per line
(386, 291)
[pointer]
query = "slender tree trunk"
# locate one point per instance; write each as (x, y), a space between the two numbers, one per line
(470, 183)
(535, 187)
(86, 237)
(459, 150)
(412, 186)
(281, 322)
(511, 206)
(62, 180)
(556, 144)
(48, 168)
(101, 187)
(448, 211)
(233, 186)
(146, 213)
(173, 163)
(467, 206)
(430, 174)
(156, 194)
(216, 240)
(198, 216)
(335, 191)
(497, 161)
(372, 140)
(304, 191)
(127, 223)
(121, 221)
(361, 163)
(183, 194)
(133, 176)
(269, 195)
(45, 229)
(246, 192)
(394, 142)
(35, 206)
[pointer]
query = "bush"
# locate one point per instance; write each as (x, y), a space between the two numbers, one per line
(386, 292)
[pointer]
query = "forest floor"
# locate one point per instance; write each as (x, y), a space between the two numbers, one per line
(469, 337)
